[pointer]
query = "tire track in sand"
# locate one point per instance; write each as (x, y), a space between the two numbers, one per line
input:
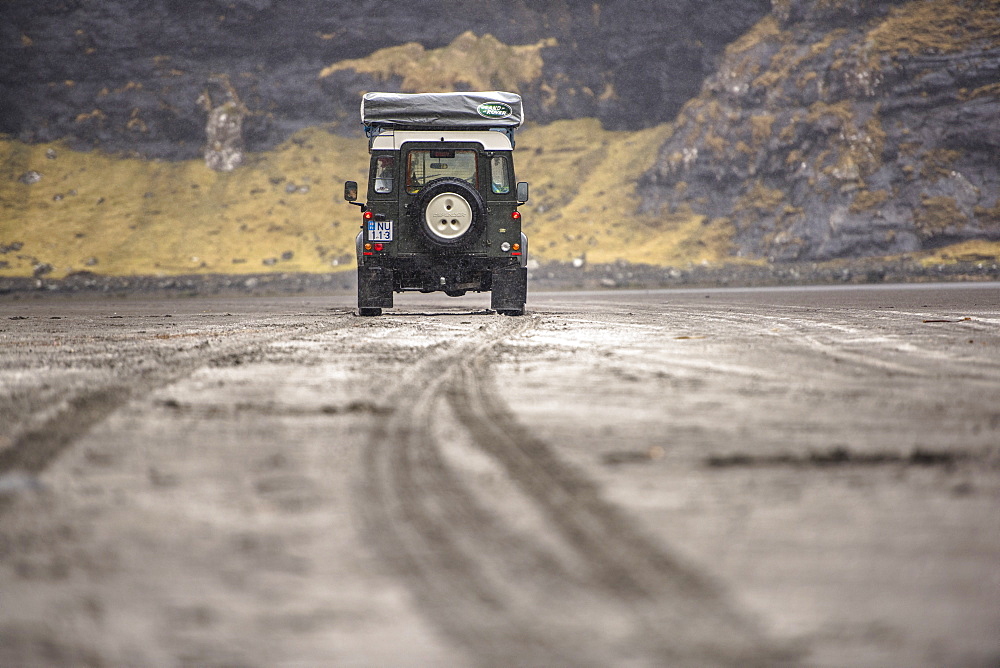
(528, 566)
(31, 451)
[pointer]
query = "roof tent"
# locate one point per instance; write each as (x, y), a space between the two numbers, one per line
(489, 110)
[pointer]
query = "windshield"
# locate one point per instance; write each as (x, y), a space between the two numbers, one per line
(425, 165)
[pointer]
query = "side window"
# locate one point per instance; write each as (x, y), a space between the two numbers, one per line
(384, 171)
(499, 179)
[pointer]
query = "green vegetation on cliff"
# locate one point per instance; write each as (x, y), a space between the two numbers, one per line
(282, 210)
(117, 215)
(817, 139)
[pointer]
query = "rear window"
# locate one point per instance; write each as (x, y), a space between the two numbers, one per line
(425, 165)
(500, 183)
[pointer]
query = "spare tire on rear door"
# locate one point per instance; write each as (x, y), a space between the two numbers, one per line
(450, 212)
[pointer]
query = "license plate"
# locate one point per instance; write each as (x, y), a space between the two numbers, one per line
(380, 230)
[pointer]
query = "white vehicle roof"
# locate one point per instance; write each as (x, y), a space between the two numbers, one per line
(392, 140)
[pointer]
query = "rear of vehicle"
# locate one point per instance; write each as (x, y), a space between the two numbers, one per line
(441, 212)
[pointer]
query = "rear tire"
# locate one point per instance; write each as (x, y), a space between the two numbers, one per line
(374, 290)
(509, 290)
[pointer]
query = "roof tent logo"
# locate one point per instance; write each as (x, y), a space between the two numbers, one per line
(494, 110)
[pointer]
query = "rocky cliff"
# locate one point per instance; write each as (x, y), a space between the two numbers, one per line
(672, 133)
(839, 128)
(127, 75)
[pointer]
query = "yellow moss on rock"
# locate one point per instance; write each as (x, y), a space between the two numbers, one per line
(989, 216)
(858, 151)
(583, 199)
(937, 214)
(761, 125)
(937, 26)
(781, 66)
(121, 216)
(989, 90)
(760, 199)
(766, 29)
(964, 251)
(842, 110)
(715, 143)
(865, 200)
(823, 45)
(939, 163)
(471, 62)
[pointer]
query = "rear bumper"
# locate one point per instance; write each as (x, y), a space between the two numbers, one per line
(445, 273)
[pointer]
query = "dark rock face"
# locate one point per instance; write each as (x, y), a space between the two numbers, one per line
(126, 75)
(840, 128)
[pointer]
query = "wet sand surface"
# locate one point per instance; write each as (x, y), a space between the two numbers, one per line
(786, 476)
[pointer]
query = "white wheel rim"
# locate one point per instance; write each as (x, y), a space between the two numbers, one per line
(448, 216)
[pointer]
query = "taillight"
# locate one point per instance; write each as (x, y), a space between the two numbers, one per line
(516, 215)
(368, 215)
(379, 247)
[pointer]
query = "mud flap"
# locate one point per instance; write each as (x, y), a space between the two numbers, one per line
(374, 287)
(510, 290)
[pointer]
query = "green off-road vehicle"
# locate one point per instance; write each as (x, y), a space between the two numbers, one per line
(441, 210)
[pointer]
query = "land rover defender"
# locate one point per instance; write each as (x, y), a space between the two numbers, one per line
(441, 207)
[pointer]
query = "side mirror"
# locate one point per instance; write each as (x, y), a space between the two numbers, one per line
(351, 191)
(522, 191)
